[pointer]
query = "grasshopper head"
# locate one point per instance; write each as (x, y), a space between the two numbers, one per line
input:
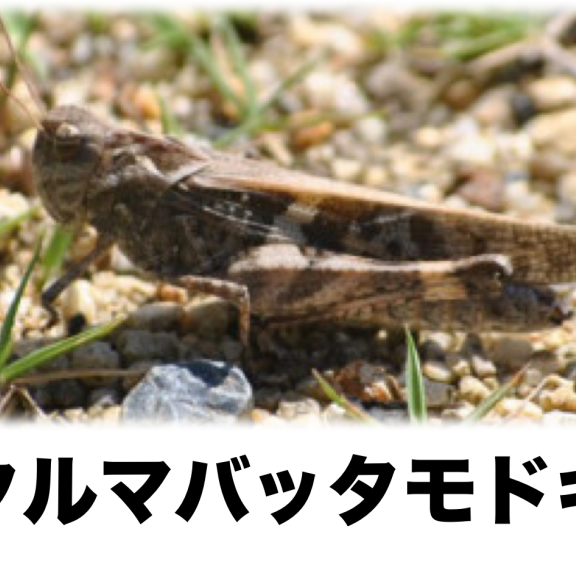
(66, 154)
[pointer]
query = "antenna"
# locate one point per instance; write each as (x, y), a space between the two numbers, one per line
(27, 80)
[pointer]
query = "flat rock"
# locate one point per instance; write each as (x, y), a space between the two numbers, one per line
(199, 391)
(96, 356)
(156, 317)
(136, 345)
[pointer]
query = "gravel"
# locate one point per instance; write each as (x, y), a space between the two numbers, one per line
(410, 120)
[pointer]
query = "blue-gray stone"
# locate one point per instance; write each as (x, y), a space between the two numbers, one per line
(198, 391)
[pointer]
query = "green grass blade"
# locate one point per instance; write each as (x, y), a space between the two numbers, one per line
(169, 123)
(15, 18)
(486, 406)
(11, 224)
(8, 324)
(95, 16)
(341, 401)
(161, 19)
(171, 32)
(234, 47)
(20, 26)
(34, 359)
(53, 257)
(415, 393)
(255, 122)
(290, 81)
(205, 58)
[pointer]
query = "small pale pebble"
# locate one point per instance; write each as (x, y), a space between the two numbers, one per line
(329, 91)
(491, 382)
(334, 414)
(375, 176)
(443, 341)
(428, 137)
(108, 415)
(12, 204)
(94, 412)
(482, 367)
(558, 417)
(554, 339)
(520, 408)
(554, 131)
(459, 412)
(79, 300)
(548, 165)
(524, 390)
(346, 169)
(472, 150)
(129, 286)
(148, 65)
(432, 350)
(438, 394)
(560, 399)
(371, 129)
(552, 92)
(307, 32)
(120, 263)
(458, 366)
(289, 410)
(493, 108)
(437, 371)
(6, 299)
(169, 293)
(554, 381)
(473, 390)
(75, 415)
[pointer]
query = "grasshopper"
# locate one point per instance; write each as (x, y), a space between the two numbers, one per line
(290, 247)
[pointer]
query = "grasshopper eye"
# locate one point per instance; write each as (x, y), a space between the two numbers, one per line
(67, 132)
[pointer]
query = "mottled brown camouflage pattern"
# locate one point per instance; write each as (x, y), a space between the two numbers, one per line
(292, 247)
